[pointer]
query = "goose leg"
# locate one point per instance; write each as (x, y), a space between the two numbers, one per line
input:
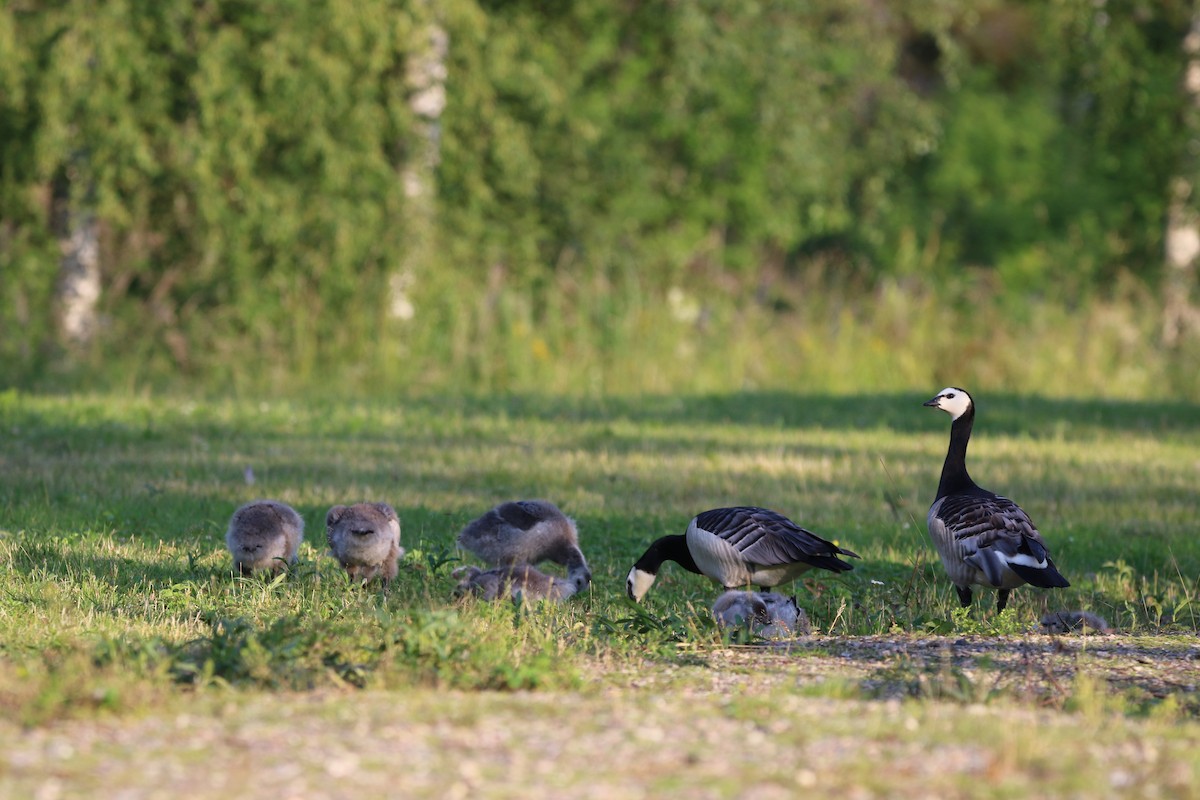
(964, 595)
(1002, 599)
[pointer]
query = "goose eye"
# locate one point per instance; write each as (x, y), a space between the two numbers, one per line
(950, 396)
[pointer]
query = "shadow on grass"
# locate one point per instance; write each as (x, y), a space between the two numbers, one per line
(1004, 413)
(39, 554)
(323, 446)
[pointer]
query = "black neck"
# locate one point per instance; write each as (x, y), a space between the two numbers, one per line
(668, 548)
(954, 471)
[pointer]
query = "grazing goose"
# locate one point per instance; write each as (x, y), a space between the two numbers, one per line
(738, 547)
(984, 539)
(527, 532)
(365, 539)
(767, 614)
(264, 534)
(516, 582)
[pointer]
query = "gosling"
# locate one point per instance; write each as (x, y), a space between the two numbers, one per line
(766, 614)
(527, 532)
(1074, 622)
(517, 582)
(264, 535)
(365, 539)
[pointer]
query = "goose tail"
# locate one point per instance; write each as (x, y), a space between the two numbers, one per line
(1047, 577)
(831, 563)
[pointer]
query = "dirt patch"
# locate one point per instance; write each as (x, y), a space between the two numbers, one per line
(1045, 670)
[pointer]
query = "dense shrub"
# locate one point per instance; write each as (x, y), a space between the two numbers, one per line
(246, 164)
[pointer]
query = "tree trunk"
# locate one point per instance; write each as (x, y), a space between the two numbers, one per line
(77, 293)
(1181, 317)
(426, 78)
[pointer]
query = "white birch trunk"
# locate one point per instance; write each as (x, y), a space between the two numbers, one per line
(77, 293)
(1181, 317)
(426, 77)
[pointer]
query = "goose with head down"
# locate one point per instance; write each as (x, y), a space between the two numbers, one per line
(738, 547)
(527, 532)
(983, 539)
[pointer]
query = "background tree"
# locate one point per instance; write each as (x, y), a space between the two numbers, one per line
(276, 190)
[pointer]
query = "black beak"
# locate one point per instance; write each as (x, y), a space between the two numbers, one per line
(629, 590)
(932, 403)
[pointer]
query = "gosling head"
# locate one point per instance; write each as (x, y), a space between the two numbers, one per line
(580, 578)
(953, 401)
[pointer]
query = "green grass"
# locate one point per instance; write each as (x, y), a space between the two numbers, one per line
(118, 597)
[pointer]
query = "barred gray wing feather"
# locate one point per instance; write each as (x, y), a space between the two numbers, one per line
(770, 539)
(993, 533)
(992, 517)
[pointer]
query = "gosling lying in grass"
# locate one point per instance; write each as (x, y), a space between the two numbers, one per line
(517, 582)
(365, 539)
(1074, 622)
(765, 614)
(264, 535)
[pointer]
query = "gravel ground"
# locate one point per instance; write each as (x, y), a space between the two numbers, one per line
(761, 721)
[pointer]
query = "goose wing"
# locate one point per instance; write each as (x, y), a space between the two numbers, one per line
(993, 532)
(497, 525)
(520, 514)
(522, 531)
(767, 538)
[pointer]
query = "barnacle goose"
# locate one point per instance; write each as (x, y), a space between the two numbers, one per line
(738, 547)
(527, 532)
(983, 539)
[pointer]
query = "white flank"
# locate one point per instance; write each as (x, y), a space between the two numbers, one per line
(716, 558)
(1026, 561)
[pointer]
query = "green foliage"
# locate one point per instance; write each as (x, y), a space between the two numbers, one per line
(449, 649)
(766, 173)
(242, 160)
(965, 621)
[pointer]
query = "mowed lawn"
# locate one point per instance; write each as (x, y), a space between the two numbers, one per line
(132, 659)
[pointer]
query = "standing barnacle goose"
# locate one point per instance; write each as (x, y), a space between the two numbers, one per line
(983, 538)
(527, 532)
(738, 547)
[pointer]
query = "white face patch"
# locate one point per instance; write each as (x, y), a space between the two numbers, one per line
(638, 583)
(953, 401)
